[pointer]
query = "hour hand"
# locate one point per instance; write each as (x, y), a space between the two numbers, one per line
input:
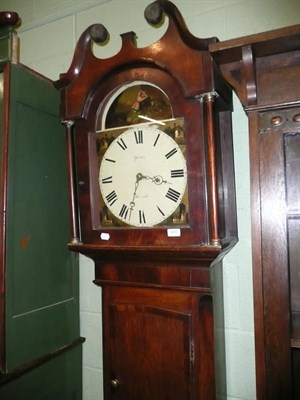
(157, 179)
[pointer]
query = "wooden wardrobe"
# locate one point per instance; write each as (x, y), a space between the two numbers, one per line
(264, 70)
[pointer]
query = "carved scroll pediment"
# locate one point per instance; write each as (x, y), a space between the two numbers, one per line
(166, 54)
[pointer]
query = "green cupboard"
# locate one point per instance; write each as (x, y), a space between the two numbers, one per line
(40, 344)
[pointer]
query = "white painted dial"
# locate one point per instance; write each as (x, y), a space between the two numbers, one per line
(143, 176)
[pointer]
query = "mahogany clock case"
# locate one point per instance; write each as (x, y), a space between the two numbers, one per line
(157, 291)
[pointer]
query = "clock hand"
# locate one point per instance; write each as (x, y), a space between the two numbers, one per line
(157, 179)
(139, 176)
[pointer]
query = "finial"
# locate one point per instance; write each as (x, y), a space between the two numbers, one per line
(9, 49)
(9, 19)
(154, 13)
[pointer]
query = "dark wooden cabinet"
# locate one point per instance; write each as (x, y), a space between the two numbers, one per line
(40, 346)
(264, 70)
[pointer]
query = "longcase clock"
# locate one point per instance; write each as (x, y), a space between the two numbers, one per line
(153, 202)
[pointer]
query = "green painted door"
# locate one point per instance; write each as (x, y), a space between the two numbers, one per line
(41, 274)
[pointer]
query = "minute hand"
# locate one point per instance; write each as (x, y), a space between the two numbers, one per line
(139, 176)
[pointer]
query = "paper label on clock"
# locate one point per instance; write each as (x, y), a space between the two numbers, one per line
(174, 232)
(105, 236)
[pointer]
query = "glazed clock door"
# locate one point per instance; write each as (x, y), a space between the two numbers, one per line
(141, 160)
(152, 338)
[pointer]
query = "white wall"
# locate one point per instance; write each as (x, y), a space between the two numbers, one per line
(48, 35)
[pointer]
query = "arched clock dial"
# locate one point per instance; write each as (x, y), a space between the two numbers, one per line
(143, 176)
